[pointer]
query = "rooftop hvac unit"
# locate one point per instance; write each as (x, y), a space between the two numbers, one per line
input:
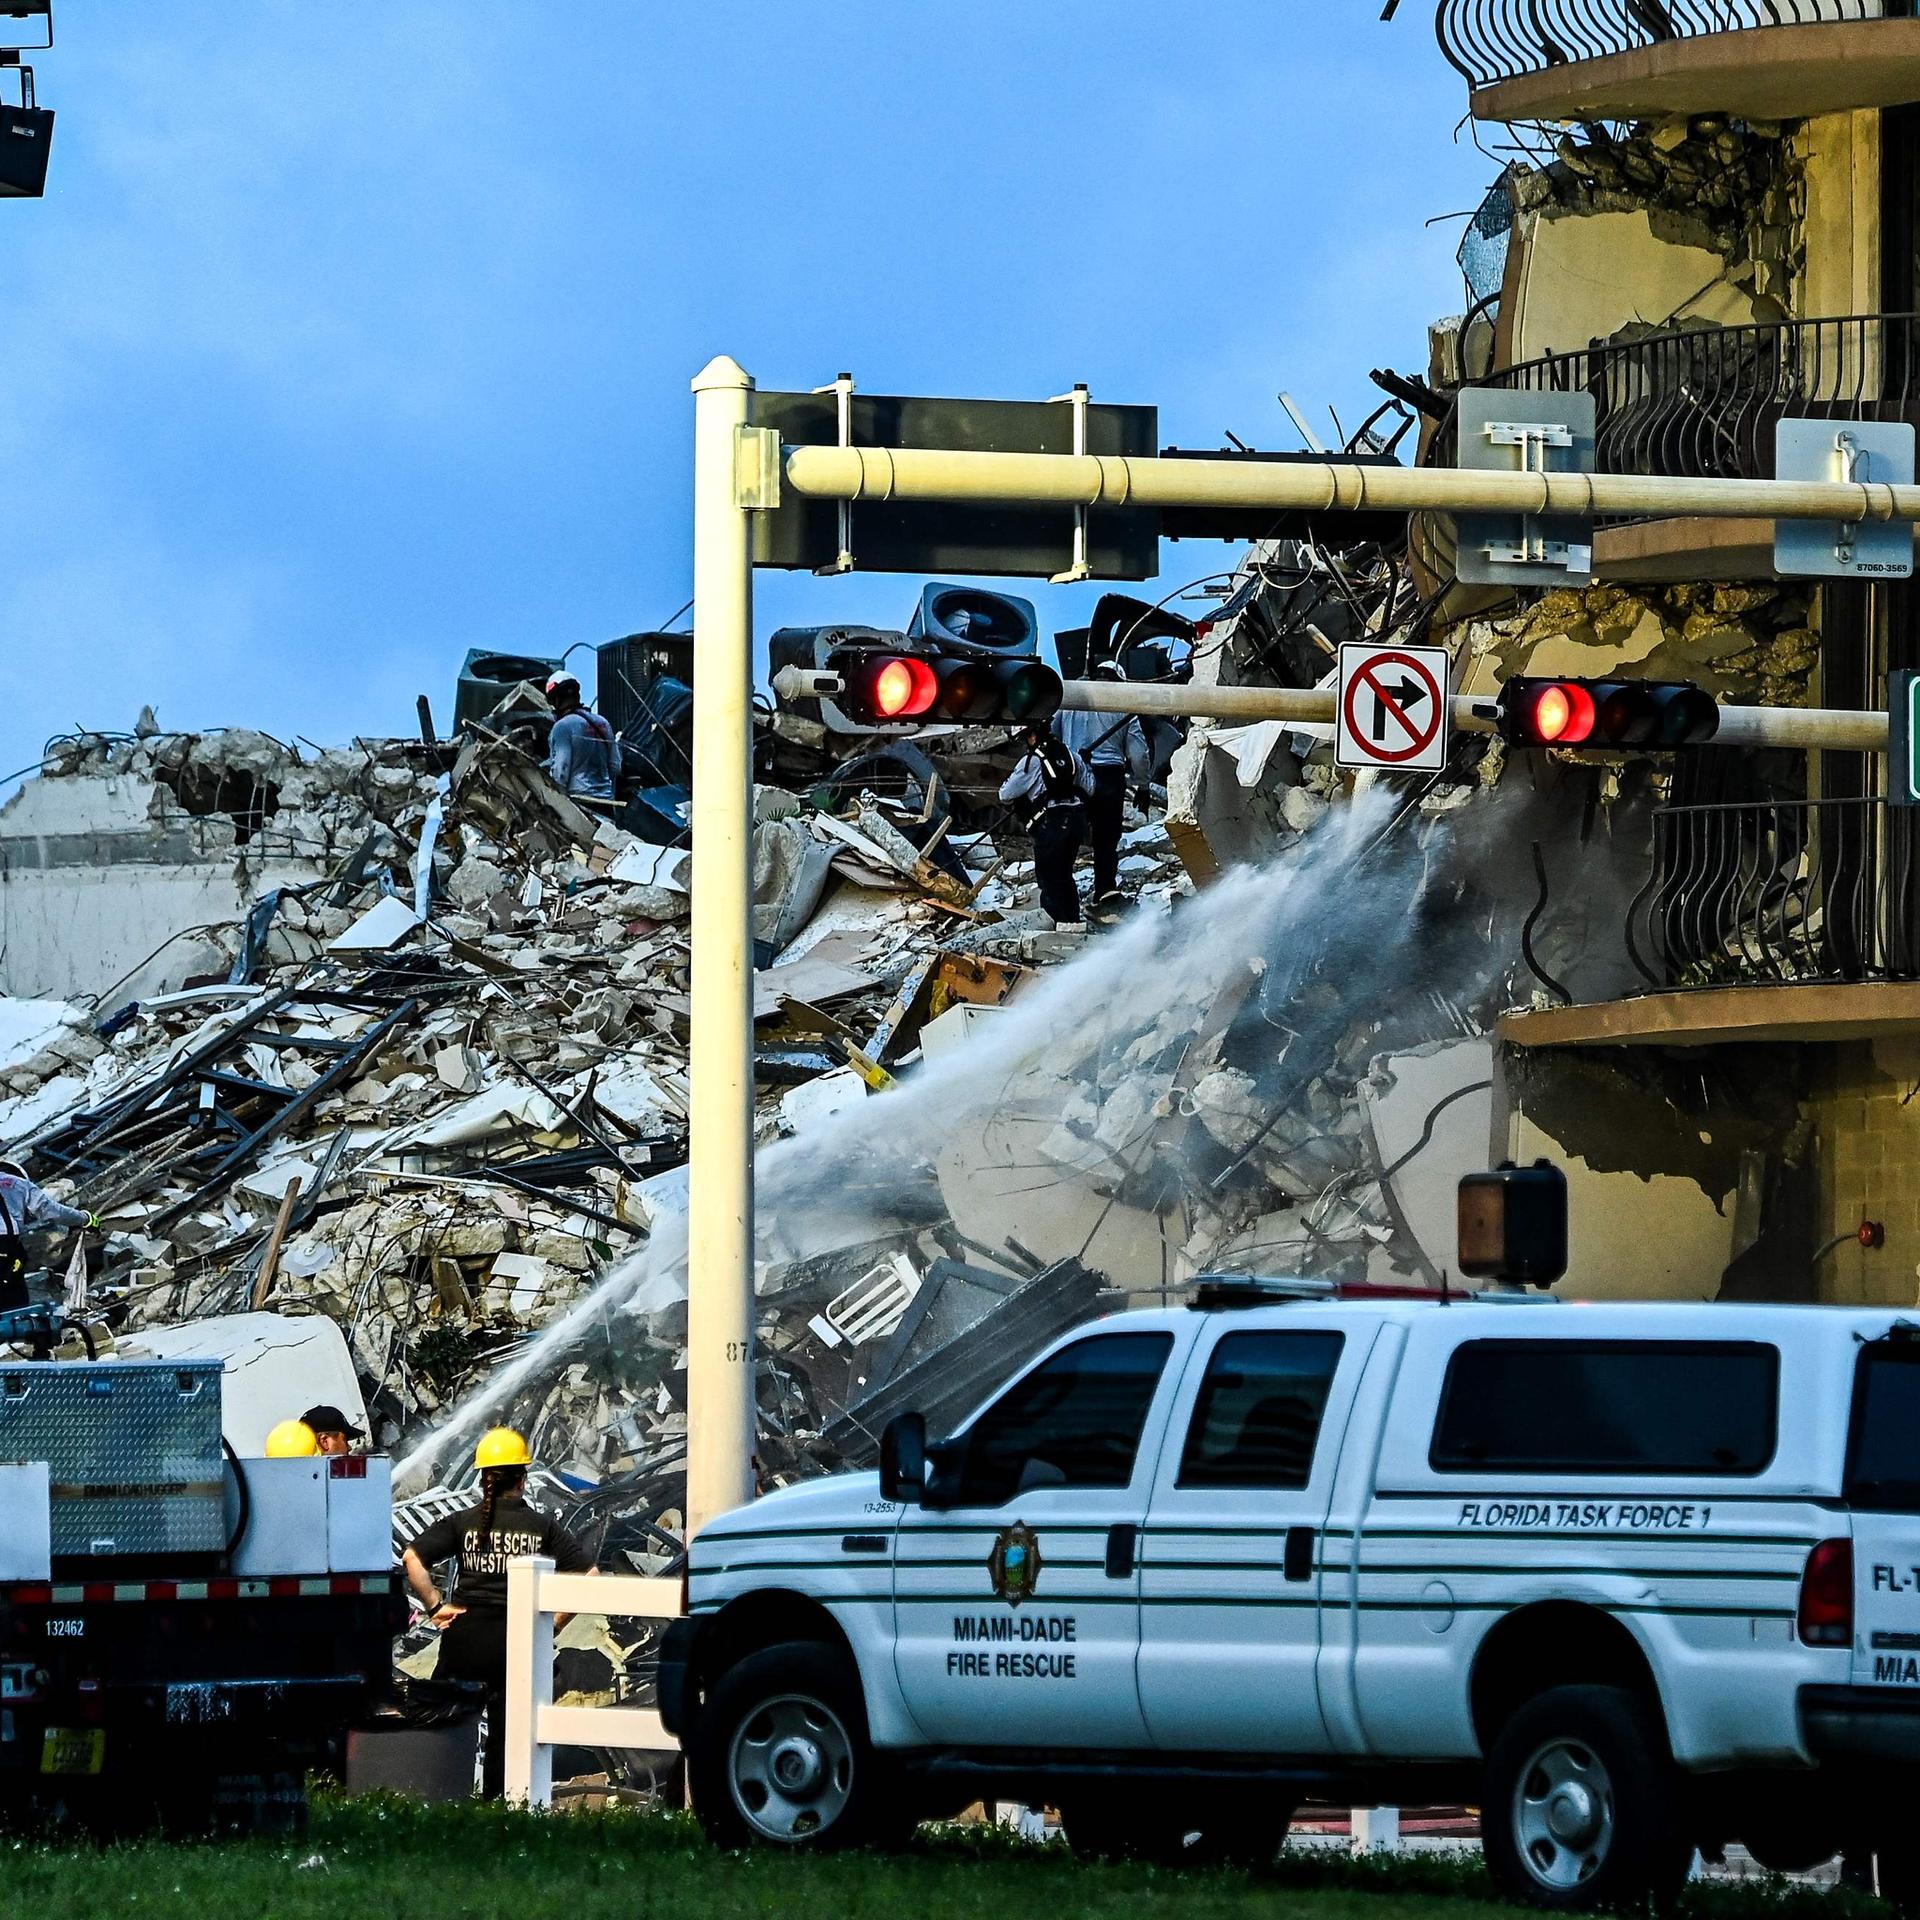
(628, 667)
(972, 620)
(26, 131)
(488, 677)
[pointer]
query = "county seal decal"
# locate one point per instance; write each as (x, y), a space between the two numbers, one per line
(1014, 1564)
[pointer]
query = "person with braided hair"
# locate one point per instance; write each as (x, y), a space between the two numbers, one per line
(501, 1527)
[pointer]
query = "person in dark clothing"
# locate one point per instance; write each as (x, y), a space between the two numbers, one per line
(25, 1208)
(1114, 746)
(502, 1527)
(1047, 791)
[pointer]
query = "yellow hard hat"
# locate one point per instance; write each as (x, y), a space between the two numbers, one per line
(501, 1447)
(292, 1440)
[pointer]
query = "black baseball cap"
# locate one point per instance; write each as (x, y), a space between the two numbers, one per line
(331, 1420)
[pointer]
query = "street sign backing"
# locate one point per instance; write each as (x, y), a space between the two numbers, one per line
(951, 537)
(1393, 709)
(1877, 450)
(1515, 431)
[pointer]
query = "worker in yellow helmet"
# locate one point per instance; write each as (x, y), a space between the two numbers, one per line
(500, 1527)
(292, 1440)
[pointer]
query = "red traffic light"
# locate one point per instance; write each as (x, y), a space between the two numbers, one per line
(886, 687)
(1561, 713)
(1606, 713)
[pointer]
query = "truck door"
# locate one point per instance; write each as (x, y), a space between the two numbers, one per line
(1016, 1617)
(1230, 1582)
(1883, 1489)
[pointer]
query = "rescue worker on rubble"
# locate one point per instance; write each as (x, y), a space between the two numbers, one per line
(501, 1527)
(1114, 746)
(332, 1430)
(1047, 791)
(26, 1207)
(582, 754)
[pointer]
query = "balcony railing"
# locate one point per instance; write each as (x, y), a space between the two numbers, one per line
(1494, 40)
(1778, 891)
(1703, 404)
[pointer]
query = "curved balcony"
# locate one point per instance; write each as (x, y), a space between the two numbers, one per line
(1703, 405)
(1645, 59)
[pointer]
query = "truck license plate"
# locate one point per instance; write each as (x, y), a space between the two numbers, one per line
(73, 1750)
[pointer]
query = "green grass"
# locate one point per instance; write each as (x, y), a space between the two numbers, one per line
(372, 1859)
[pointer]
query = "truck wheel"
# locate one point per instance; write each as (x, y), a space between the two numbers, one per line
(1580, 1808)
(779, 1756)
(1227, 1826)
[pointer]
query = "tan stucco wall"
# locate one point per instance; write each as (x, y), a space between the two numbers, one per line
(1866, 1115)
(1584, 277)
(1838, 158)
(1632, 1236)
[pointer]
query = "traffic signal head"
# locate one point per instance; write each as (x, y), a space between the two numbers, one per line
(884, 690)
(1606, 713)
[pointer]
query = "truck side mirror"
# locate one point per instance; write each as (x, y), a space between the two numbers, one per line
(903, 1458)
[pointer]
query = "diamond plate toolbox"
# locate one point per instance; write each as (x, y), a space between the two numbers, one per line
(132, 1449)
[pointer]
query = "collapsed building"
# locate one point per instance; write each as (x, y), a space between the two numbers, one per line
(395, 1034)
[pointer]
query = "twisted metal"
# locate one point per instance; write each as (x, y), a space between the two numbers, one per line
(1487, 41)
(1777, 891)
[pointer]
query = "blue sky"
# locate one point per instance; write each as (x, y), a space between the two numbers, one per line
(351, 335)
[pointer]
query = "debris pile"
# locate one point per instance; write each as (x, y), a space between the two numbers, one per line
(438, 1088)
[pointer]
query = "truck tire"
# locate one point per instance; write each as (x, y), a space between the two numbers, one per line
(1580, 1807)
(779, 1756)
(1221, 1826)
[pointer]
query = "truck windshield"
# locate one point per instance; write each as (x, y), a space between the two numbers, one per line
(1883, 1460)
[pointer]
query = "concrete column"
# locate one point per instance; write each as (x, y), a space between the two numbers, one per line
(720, 1370)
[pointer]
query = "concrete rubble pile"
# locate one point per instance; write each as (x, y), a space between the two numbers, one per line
(435, 1083)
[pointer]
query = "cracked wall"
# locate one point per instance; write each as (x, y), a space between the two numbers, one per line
(1652, 1144)
(1742, 641)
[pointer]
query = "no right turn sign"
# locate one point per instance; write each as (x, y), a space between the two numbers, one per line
(1393, 708)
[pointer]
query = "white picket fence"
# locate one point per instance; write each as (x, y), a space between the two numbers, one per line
(536, 1591)
(535, 1726)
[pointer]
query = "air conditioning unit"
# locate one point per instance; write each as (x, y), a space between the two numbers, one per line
(488, 677)
(959, 619)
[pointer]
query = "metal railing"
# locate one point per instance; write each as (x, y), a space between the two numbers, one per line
(1703, 404)
(1492, 40)
(1777, 891)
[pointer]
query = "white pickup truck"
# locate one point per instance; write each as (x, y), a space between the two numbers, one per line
(1635, 1580)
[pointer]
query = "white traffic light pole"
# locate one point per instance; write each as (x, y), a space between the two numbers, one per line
(1836, 729)
(1111, 480)
(738, 471)
(720, 1316)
